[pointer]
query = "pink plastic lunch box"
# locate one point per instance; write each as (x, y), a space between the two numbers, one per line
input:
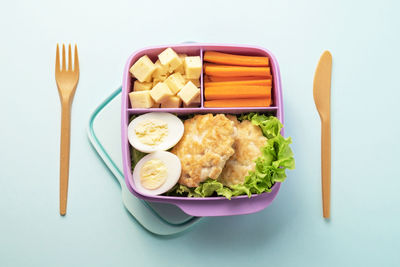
(210, 206)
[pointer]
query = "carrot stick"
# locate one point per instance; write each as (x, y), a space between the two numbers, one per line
(229, 71)
(234, 83)
(239, 91)
(208, 78)
(229, 59)
(228, 103)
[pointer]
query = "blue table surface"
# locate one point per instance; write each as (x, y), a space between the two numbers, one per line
(97, 231)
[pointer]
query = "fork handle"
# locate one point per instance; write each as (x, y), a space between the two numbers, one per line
(64, 154)
(326, 167)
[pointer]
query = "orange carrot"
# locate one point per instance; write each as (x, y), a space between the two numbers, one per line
(234, 83)
(208, 78)
(239, 91)
(229, 59)
(229, 71)
(228, 103)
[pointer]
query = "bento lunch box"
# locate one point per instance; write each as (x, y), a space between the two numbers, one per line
(209, 206)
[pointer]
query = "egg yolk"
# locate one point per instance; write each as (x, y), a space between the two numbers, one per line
(151, 132)
(153, 174)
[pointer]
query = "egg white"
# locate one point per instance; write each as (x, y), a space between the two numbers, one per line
(175, 131)
(173, 165)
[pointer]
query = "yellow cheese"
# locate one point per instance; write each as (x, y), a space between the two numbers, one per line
(141, 99)
(160, 92)
(160, 71)
(195, 103)
(159, 79)
(171, 102)
(175, 82)
(192, 67)
(170, 59)
(188, 93)
(181, 68)
(194, 81)
(153, 174)
(197, 99)
(143, 69)
(138, 86)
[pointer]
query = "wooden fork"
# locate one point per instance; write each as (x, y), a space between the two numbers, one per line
(67, 80)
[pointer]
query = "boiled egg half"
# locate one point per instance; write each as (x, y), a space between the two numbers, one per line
(156, 173)
(155, 131)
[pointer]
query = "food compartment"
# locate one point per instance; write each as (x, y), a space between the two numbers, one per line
(183, 114)
(163, 88)
(236, 72)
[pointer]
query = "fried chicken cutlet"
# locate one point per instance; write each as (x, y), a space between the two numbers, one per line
(205, 147)
(248, 143)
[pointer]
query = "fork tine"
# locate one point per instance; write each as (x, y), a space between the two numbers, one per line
(69, 58)
(64, 68)
(76, 60)
(57, 59)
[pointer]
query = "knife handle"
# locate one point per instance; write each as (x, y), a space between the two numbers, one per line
(326, 166)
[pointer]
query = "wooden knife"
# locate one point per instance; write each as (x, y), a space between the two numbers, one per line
(322, 99)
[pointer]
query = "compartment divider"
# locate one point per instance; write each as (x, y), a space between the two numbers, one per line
(201, 79)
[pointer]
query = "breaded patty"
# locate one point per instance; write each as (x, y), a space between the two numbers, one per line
(204, 148)
(248, 143)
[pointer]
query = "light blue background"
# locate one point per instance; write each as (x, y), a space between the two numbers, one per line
(363, 37)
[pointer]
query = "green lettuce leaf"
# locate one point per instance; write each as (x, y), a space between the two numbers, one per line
(207, 188)
(240, 189)
(270, 125)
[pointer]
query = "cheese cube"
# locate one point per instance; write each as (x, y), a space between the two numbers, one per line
(141, 99)
(196, 100)
(160, 92)
(195, 103)
(192, 67)
(160, 70)
(189, 93)
(181, 68)
(159, 79)
(175, 82)
(171, 102)
(138, 86)
(194, 81)
(143, 69)
(169, 58)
